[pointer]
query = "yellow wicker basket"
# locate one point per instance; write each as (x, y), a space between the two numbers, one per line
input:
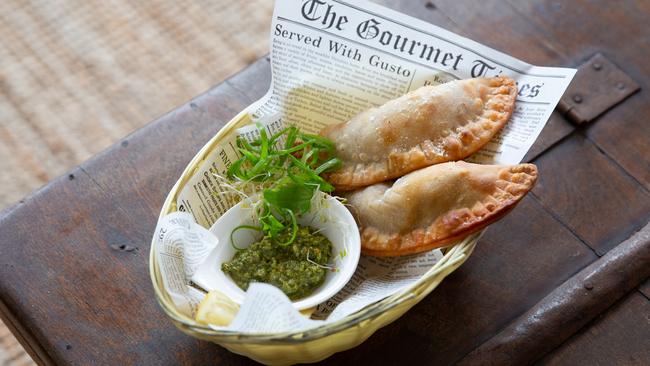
(314, 344)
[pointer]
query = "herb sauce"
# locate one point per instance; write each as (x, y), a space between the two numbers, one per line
(297, 269)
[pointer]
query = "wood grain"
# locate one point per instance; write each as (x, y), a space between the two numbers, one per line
(570, 306)
(555, 130)
(624, 136)
(621, 132)
(591, 194)
(499, 25)
(620, 337)
(645, 289)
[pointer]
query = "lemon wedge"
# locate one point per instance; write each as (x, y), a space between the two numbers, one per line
(216, 309)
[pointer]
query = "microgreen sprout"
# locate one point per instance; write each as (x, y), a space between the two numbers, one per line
(287, 167)
(329, 267)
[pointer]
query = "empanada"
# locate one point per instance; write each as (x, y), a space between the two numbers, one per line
(430, 125)
(435, 206)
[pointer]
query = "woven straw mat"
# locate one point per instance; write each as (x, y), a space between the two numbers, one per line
(76, 76)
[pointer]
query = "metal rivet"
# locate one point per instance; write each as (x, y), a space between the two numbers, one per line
(620, 86)
(430, 5)
(71, 176)
(589, 286)
(577, 98)
(597, 66)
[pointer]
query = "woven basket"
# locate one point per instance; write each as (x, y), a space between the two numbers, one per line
(317, 343)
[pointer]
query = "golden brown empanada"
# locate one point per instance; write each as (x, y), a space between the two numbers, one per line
(430, 125)
(435, 206)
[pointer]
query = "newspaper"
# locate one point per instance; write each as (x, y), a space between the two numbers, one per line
(181, 245)
(331, 59)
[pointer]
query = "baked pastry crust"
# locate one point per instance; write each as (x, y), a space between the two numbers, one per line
(430, 125)
(436, 206)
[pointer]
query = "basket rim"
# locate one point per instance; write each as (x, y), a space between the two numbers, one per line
(455, 255)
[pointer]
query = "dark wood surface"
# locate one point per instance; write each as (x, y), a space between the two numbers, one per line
(570, 306)
(615, 338)
(74, 281)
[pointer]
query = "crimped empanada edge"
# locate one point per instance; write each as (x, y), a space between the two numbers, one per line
(440, 243)
(365, 174)
(372, 238)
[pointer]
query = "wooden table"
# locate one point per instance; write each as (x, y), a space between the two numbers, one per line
(74, 281)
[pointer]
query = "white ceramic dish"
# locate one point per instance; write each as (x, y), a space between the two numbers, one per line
(328, 215)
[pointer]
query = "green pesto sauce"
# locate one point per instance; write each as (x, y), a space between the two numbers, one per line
(285, 267)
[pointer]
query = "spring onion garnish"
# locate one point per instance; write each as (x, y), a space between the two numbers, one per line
(287, 165)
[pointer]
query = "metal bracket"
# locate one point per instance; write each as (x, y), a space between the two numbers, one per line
(597, 86)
